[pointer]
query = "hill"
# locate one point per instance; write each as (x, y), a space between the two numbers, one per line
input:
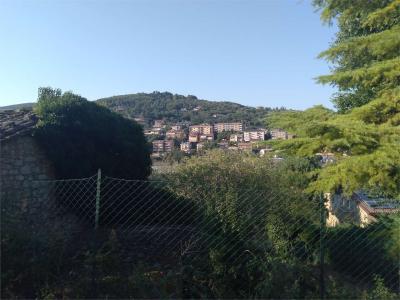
(175, 108)
(18, 106)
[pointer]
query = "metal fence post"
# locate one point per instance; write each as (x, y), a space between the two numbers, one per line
(322, 247)
(96, 221)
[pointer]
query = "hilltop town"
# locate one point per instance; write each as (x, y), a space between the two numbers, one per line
(193, 138)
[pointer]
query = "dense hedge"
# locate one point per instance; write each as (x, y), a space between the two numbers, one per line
(80, 136)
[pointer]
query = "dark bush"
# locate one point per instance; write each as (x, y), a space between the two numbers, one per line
(80, 136)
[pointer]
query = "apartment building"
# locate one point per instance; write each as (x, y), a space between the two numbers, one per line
(194, 137)
(154, 131)
(280, 134)
(205, 132)
(175, 134)
(206, 129)
(256, 135)
(221, 127)
(160, 146)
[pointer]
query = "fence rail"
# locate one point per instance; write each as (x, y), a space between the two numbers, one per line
(202, 243)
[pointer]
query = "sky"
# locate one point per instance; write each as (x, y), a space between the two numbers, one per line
(254, 52)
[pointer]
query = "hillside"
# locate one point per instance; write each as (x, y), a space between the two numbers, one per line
(18, 106)
(176, 108)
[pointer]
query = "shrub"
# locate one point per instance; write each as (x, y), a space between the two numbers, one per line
(80, 136)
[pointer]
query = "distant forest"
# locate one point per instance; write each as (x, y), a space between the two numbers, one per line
(175, 108)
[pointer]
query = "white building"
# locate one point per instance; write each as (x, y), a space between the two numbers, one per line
(256, 135)
(221, 127)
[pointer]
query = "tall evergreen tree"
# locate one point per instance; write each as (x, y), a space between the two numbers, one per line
(366, 52)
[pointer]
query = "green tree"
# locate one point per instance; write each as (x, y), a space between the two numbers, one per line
(366, 52)
(80, 136)
(366, 143)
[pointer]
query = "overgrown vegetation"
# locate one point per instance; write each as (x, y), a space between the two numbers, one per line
(80, 136)
(257, 236)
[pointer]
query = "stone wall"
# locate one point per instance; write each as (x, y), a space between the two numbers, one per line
(22, 163)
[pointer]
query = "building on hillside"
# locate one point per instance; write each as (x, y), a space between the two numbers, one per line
(204, 131)
(236, 138)
(161, 146)
(206, 137)
(245, 146)
(186, 147)
(256, 135)
(176, 134)
(280, 134)
(159, 123)
(177, 127)
(154, 131)
(359, 209)
(194, 137)
(326, 157)
(221, 127)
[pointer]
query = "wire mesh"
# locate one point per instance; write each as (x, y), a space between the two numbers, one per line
(168, 240)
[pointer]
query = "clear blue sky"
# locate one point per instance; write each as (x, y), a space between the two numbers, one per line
(252, 52)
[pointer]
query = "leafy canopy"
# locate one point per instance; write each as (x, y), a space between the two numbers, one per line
(80, 136)
(366, 52)
(366, 143)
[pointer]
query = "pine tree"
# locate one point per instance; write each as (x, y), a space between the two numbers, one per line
(366, 52)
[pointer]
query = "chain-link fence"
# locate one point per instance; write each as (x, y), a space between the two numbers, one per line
(108, 237)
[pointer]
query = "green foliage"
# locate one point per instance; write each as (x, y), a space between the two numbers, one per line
(380, 291)
(175, 108)
(366, 142)
(175, 156)
(366, 53)
(299, 122)
(80, 136)
(235, 189)
(223, 136)
(374, 247)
